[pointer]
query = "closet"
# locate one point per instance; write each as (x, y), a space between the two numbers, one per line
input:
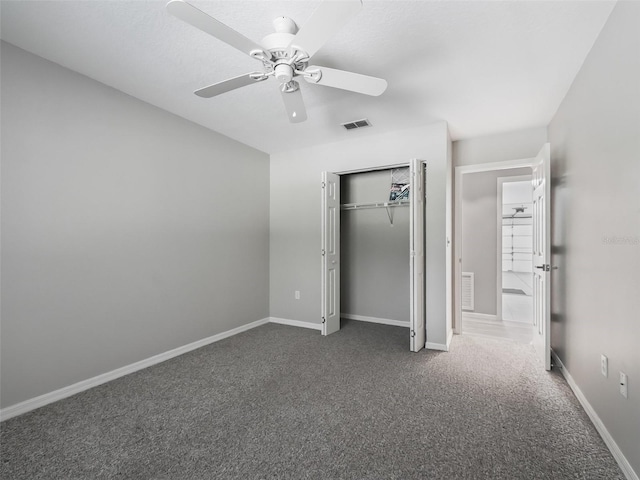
(375, 233)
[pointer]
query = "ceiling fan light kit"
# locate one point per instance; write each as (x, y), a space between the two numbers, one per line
(285, 54)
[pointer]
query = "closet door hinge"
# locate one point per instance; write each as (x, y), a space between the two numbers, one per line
(412, 253)
(413, 333)
(324, 320)
(324, 184)
(323, 253)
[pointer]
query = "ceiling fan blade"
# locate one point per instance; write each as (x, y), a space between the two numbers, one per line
(193, 16)
(294, 104)
(231, 84)
(355, 82)
(328, 18)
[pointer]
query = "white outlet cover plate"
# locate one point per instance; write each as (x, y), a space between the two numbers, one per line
(623, 384)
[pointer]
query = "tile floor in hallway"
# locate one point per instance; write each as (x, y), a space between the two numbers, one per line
(517, 331)
(517, 312)
(515, 307)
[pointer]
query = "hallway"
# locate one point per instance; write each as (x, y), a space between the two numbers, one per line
(517, 312)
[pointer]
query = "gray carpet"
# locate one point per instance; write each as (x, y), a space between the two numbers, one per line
(285, 402)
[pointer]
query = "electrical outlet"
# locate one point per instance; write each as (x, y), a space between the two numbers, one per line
(297, 294)
(623, 384)
(604, 365)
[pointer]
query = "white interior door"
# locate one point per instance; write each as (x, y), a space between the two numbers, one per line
(330, 253)
(541, 255)
(416, 249)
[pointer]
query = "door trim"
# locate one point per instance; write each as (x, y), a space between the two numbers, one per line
(457, 229)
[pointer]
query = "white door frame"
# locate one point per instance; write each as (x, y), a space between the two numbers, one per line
(501, 182)
(372, 169)
(459, 172)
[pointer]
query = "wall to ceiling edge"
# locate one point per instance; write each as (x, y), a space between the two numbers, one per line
(501, 147)
(295, 216)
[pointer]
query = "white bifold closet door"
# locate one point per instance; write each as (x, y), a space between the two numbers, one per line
(330, 253)
(417, 256)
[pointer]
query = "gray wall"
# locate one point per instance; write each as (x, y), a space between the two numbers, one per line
(374, 256)
(479, 233)
(501, 147)
(126, 231)
(295, 215)
(595, 154)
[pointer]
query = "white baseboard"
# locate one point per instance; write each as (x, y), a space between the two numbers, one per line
(623, 463)
(444, 347)
(436, 346)
(47, 398)
(449, 338)
(479, 316)
(296, 323)
(384, 321)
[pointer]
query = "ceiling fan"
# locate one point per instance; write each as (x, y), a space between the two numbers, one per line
(285, 54)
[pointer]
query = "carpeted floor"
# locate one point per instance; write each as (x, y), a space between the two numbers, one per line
(285, 402)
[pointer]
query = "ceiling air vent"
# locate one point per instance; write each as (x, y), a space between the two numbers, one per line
(357, 124)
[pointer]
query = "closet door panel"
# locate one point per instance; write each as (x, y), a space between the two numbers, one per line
(330, 253)
(417, 257)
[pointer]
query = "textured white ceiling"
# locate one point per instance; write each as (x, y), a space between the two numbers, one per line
(483, 66)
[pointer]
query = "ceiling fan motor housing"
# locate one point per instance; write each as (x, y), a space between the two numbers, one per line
(277, 44)
(285, 25)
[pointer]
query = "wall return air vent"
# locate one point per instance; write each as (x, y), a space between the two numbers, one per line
(468, 295)
(357, 124)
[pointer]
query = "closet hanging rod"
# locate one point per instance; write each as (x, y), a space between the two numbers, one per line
(355, 206)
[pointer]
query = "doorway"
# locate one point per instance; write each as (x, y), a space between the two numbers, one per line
(515, 247)
(483, 240)
(471, 300)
